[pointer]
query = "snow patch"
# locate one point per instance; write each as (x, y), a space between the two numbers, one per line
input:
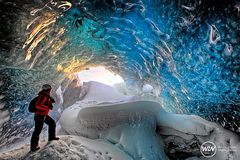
(147, 88)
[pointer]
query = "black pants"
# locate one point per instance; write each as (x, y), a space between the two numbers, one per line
(39, 121)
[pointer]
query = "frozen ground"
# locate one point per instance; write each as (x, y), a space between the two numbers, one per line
(106, 124)
(69, 147)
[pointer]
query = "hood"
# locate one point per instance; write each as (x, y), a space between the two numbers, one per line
(42, 92)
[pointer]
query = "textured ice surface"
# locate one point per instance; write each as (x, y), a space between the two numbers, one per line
(4, 115)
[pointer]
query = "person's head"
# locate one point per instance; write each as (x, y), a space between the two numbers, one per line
(46, 87)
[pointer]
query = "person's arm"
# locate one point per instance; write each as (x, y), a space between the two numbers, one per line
(40, 103)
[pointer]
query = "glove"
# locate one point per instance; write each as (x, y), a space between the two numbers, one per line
(52, 100)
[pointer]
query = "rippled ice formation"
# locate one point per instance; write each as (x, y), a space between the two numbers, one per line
(187, 50)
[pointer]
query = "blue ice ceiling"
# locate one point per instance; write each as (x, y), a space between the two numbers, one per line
(188, 50)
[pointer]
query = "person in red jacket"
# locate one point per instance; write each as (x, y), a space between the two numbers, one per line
(43, 106)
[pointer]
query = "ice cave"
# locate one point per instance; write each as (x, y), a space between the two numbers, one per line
(132, 79)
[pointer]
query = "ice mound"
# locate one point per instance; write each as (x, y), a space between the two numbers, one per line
(130, 124)
(98, 92)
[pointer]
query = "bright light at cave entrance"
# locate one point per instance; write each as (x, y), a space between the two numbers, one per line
(100, 74)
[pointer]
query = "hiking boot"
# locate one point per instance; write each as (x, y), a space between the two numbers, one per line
(55, 138)
(35, 149)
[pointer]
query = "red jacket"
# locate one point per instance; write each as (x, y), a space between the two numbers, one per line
(43, 104)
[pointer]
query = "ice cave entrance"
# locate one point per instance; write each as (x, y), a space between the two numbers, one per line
(100, 74)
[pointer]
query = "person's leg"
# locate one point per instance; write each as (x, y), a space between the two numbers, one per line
(51, 128)
(39, 120)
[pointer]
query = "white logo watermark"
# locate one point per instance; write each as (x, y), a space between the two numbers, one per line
(208, 149)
